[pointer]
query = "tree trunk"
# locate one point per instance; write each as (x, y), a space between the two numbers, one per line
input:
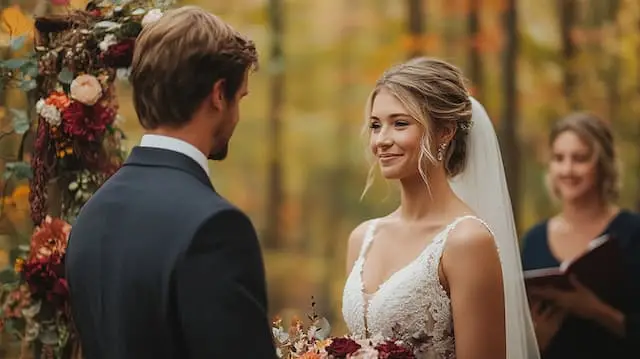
(342, 134)
(415, 21)
(638, 122)
(273, 233)
(612, 74)
(568, 11)
(510, 145)
(475, 60)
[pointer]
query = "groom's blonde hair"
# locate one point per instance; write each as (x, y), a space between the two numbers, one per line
(434, 94)
(178, 59)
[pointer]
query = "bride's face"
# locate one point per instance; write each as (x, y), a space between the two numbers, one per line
(394, 137)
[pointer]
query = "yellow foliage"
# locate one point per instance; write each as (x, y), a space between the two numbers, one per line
(15, 23)
(4, 258)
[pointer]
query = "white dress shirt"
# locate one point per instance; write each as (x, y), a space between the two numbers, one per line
(176, 145)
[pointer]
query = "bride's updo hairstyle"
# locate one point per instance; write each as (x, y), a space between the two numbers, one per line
(434, 94)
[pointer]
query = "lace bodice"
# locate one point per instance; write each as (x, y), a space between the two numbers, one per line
(412, 302)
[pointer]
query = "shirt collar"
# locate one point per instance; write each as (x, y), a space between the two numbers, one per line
(176, 145)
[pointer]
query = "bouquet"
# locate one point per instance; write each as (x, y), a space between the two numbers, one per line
(314, 342)
(35, 306)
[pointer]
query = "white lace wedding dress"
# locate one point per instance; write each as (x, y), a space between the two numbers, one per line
(411, 304)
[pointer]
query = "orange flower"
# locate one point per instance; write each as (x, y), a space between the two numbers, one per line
(58, 99)
(49, 238)
(310, 355)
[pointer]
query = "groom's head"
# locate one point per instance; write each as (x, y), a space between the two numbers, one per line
(190, 70)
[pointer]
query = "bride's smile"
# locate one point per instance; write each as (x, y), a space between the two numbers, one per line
(414, 273)
(395, 137)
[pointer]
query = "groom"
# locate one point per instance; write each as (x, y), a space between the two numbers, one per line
(160, 265)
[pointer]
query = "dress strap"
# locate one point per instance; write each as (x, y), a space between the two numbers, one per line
(451, 227)
(368, 237)
(453, 224)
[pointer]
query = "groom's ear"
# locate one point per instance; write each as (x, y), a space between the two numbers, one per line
(217, 95)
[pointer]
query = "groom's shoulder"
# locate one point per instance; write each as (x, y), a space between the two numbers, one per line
(213, 204)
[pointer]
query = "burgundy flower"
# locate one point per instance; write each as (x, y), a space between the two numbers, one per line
(87, 123)
(341, 347)
(60, 288)
(119, 55)
(391, 350)
(45, 278)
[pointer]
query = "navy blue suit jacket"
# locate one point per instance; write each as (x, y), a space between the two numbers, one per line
(161, 266)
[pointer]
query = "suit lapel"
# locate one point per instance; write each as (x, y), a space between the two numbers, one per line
(158, 157)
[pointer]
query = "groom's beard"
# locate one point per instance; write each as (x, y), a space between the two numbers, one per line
(220, 154)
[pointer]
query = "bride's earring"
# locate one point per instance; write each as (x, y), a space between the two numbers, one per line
(441, 149)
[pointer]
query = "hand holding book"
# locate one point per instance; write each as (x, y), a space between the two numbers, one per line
(581, 284)
(579, 299)
(600, 269)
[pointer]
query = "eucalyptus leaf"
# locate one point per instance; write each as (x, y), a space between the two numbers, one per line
(28, 85)
(8, 275)
(18, 42)
(14, 64)
(20, 120)
(9, 327)
(65, 76)
(20, 170)
(107, 25)
(30, 68)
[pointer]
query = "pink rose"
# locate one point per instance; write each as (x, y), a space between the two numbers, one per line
(86, 89)
(152, 16)
(365, 353)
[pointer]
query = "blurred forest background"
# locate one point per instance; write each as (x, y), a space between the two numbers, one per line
(297, 162)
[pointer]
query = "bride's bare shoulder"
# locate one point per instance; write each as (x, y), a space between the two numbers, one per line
(356, 239)
(357, 235)
(470, 236)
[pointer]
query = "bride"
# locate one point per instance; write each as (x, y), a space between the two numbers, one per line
(433, 264)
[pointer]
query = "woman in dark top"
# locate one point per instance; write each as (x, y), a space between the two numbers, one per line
(584, 178)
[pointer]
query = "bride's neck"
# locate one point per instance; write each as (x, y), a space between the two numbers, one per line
(418, 200)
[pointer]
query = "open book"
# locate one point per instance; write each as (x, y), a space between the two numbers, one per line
(600, 268)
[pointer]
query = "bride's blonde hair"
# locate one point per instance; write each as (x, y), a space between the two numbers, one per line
(434, 94)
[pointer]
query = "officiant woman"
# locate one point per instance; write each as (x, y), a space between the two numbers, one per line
(584, 178)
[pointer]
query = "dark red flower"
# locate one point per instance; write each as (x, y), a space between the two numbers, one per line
(87, 123)
(45, 278)
(119, 55)
(341, 347)
(391, 350)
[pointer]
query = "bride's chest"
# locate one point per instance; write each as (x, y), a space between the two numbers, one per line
(410, 292)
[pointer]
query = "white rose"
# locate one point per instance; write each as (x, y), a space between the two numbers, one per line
(123, 73)
(40, 105)
(86, 89)
(109, 39)
(50, 114)
(152, 16)
(119, 121)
